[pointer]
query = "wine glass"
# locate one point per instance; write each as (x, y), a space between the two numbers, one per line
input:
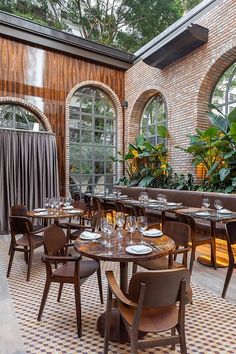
(142, 225)
(104, 228)
(131, 226)
(120, 221)
(52, 203)
(206, 202)
(110, 231)
(218, 205)
(47, 203)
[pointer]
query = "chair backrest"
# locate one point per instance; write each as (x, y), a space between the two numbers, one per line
(138, 210)
(231, 238)
(18, 210)
(96, 220)
(178, 231)
(96, 203)
(20, 225)
(120, 207)
(162, 287)
(54, 240)
(187, 219)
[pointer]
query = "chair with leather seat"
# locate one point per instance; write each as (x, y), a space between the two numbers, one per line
(74, 230)
(138, 210)
(72, 269)
(231, 241)
(150, 307)
(199, 237)
(27, 243)
(181, 234)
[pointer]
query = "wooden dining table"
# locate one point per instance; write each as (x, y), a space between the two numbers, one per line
(52, 214)
(161, 246)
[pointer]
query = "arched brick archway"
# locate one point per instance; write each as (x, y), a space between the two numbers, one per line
(32, 108)
(224, 58)
(114, 98)
(134, 118)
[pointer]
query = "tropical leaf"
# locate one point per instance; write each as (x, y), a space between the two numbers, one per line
(224, 172)
(211, 132)
(146, 181)
(129, 156)
(162, 131)
(212, 169)
(232, 131)
(140, 140)
(229, 154)
(214, 107)
(219, 121)
(234, 181)
(232, 116)
(229, 189)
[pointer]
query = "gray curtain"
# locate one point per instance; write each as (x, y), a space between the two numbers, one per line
(28, 170)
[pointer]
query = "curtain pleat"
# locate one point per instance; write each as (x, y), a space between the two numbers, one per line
(28, 171)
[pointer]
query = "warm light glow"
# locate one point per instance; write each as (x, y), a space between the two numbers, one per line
(200, 171)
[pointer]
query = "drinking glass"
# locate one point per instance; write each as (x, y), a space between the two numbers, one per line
(142, 225)
(52, 203)
(120, 221)
(218, 205)
(206, 202)
(131, 226)
(47, 203)
(110, 231)
(104, 228)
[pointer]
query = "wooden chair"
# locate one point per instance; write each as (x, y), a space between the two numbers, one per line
(198, 238)
(231, 241)
(138, 210)
(120, 207)
(74, 231)
(150, 306)
(72, 270)
(181, 234)
(27, 243)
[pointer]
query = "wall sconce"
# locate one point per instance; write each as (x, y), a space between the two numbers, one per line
(124, 104)
(200, 171)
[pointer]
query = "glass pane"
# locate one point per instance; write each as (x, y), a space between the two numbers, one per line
(99, 138)
(99, 107)
(109, 167)
(86, 105)
(99, 167)
(86, 153)
(86, 167)
(86, 137)
(110, 139)
(86, 122)
(99, 153)
(74, 136)
(109, 153)
(110, 125)
(99, 123)
(152, 130)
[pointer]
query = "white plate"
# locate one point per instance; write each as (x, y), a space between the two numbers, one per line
(123, 196)
(40, 209)
(73, 211)
(173, 204)
(138, 249)
(41, 213)
(153, 233)
(202, 213)
(153, 205)
(86, 235)
(68, 207)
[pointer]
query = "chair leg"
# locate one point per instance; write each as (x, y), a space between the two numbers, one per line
(10, 262)
(29, 264)
(134, 342)
(213, 253)
(10, 248)
(173, 334)
(135, 268)
(100, 283)
(26, 255)
(44, 299)
(192, 259)
(183, 348)
(227, 280)
(59, 292)
(78, 309)
(107, 321)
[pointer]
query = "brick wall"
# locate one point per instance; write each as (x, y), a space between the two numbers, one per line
(186, 85)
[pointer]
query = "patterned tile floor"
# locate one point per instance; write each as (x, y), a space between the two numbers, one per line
(210, 321)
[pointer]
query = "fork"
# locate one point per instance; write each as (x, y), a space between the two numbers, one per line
(153, 246)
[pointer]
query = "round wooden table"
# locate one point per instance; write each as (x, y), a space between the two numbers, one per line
(161, 246)
(52, 214)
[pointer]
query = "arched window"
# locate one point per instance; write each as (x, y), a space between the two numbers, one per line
(224, 95)
(154, 114)
(92, 141)
(13, 117)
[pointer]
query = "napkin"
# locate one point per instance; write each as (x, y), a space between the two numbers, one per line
(89, 235)
(224, 211)
(41, 213)
(153, 232)
(140, 248)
